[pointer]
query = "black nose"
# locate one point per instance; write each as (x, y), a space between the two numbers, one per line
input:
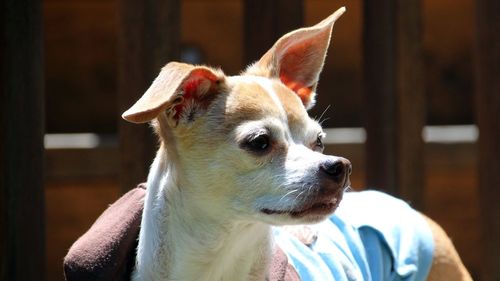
(336, 168)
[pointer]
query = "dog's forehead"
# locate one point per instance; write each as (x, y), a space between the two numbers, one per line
(258, 97)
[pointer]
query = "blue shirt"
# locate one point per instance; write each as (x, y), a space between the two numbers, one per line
(371, 236)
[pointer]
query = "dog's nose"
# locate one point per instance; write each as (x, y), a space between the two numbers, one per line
(337, 168)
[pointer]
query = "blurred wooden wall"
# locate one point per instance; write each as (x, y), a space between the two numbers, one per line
(81, 51)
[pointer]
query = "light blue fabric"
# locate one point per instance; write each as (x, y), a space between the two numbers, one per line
(372, 236)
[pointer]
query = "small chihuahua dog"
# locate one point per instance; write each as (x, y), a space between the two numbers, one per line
(238, 156)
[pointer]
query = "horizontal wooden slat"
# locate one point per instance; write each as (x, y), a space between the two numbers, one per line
(81, 163)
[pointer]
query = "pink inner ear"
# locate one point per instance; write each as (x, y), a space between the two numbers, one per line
(196, 91)
(299, 67)
(304, 92)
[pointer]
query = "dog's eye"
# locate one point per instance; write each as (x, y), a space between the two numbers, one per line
(319, 142)
(258, 144)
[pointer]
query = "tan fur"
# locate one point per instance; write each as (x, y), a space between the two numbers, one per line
(446, 263)
(292, 104)
(255, 102)
(165, 92)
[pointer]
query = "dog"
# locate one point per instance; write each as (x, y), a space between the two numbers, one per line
(240, 170)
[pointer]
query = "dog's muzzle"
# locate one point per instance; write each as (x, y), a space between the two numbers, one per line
(332, 179)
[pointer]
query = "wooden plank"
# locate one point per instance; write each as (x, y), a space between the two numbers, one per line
(149, 35)
(410, 94)
(394, 98)
(82, 201)
(22, 220)
(379, 94)
(488, 107)
(266, 21)
(80, 36)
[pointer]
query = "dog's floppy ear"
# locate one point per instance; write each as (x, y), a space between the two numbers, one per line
(181, 89)
(297, 58)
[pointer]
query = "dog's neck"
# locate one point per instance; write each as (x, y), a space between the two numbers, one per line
(179, 242)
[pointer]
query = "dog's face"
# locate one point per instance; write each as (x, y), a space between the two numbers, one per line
(243, 147)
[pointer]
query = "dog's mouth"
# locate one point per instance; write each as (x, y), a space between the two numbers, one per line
(321, 208)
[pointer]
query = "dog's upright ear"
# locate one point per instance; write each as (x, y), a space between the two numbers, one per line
(297, 58)
(182, 90)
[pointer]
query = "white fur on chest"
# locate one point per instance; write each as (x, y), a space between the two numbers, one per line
(173, 246)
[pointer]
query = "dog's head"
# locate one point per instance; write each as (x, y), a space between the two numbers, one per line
(244, 146)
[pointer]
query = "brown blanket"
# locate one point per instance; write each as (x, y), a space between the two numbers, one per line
(107, 250)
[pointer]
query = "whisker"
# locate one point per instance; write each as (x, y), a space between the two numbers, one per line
(322, 121)
(288, 193)
(302, 192)
(324, 111)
